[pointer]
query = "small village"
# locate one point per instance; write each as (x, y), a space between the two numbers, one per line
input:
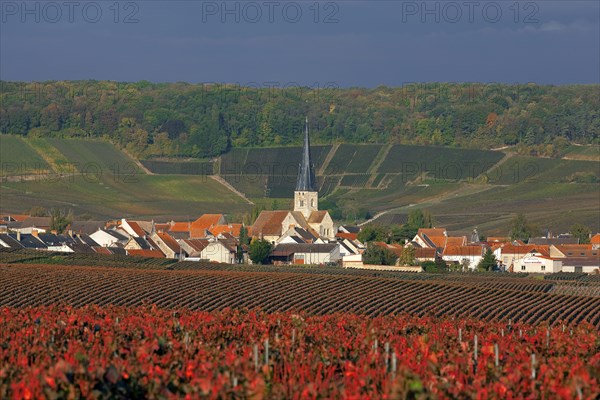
(304, 235)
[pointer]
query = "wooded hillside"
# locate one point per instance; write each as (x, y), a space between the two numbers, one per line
(202, 120)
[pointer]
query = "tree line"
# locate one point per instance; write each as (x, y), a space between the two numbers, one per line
(205, 120)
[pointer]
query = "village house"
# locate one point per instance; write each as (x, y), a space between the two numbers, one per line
(137, 243)
(167, 245)
(431, 237)
(59, 243)
(132, 228)
(470, 255)
(8, 242)
(219, 250)
(30, 225)
(577, 257)
(350, 247)
(305, 253)
(510, 255)
(295, 234)
(537, 263)
(200, 227)
(22, 240)
(193, 247)
(109, 237)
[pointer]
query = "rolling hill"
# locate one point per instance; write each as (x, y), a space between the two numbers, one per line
(95, 178)
(463, 188)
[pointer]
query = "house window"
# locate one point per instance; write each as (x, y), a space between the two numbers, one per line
(543, 267)
(312, 202)
(522, 268)
(301, 203)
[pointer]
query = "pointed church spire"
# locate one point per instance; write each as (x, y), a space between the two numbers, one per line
(306, 173)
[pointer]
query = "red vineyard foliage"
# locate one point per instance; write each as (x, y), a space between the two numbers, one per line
(321, 291)
(150, 352)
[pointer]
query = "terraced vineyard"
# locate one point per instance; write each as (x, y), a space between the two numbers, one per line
(351, 166)
(179, 167)
(486, 298)
(544, 170)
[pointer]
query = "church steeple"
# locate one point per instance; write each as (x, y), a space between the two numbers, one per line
(306, 173)
(306, 198)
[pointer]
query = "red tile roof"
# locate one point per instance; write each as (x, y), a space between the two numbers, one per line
(595, 239)
(169, 241)
(344, 235)
(146, 253)
(207, 220)
(269, 223)
(424, 252)
(233, 229)
(101, 250)
(17, 217)
(439, 241)
(180, 227)
(432, 231)
(198, 233)
(137, 228)
(162, 227)
(456, 241)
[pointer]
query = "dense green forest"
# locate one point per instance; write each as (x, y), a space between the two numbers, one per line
(205, 120)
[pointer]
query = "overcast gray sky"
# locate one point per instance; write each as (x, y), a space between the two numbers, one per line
(343, 43)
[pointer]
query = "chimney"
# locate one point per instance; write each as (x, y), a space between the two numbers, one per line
(18, 236)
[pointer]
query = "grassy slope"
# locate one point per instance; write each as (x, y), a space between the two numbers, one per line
(107, 183)
(17, 158)
(583, 153)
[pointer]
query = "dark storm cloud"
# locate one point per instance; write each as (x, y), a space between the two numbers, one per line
(350, 43)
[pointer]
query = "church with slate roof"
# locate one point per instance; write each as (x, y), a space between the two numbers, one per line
(272, 225)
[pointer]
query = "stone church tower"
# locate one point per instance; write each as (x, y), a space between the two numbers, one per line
(306, 197)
